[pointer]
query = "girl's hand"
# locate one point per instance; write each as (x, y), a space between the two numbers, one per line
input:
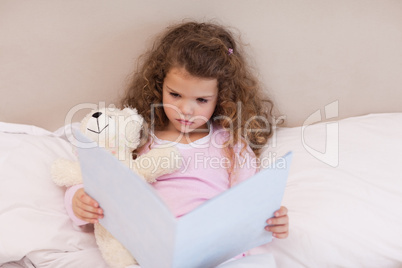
(279, 224)
(86, 208)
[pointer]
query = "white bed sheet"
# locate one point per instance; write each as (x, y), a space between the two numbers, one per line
(343, 216)
(33, 220)
(349, 215)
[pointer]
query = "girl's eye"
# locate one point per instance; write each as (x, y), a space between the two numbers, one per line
(175, 95)
(202, 100)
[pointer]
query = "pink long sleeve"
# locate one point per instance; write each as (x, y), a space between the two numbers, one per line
(68, 203)
(203, 174)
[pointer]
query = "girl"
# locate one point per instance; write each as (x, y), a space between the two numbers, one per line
(196, 92)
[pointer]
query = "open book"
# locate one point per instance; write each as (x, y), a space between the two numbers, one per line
(219, 229)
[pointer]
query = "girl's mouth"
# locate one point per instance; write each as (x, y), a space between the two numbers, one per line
(184, 122)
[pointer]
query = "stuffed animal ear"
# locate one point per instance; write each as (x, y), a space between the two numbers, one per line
(132, 113)
(132, 128)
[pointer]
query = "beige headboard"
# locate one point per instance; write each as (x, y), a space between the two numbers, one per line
(55, 55)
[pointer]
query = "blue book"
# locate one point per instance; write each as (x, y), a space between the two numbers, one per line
(219, 229)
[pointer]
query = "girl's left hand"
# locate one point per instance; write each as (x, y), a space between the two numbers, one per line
(279, 224)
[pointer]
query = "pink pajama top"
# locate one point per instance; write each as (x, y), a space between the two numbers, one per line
(202, 176)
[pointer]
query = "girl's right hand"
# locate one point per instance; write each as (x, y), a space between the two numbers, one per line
(86, 208)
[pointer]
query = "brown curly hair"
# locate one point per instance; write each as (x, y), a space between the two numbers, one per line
(205, 50)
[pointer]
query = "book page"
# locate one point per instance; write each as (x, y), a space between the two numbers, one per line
(232, 222)
(133, 212)
(219, 229)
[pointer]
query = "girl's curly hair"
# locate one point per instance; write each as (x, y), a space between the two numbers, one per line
(205, 50)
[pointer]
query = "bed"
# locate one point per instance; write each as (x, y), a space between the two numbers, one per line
(344, 191)
(347, 215)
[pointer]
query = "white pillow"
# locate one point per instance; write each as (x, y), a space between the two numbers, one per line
(349, 215)
(33, 219)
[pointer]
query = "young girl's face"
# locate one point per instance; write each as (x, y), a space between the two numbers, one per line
(188, 101)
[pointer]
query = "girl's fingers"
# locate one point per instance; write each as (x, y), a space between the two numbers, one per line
(86, 199)
(90, 217)
(278, 220)
(281, 212)
(90, 220)
(277, 229)
(87, 215)
(280, 235)
(90, 209)
(279, 224)
(86, 208)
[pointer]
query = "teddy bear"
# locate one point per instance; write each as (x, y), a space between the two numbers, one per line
(119, 132)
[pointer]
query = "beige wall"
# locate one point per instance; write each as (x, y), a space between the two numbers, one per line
(309, 53)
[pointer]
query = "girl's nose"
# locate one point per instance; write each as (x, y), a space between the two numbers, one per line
(186, 108)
